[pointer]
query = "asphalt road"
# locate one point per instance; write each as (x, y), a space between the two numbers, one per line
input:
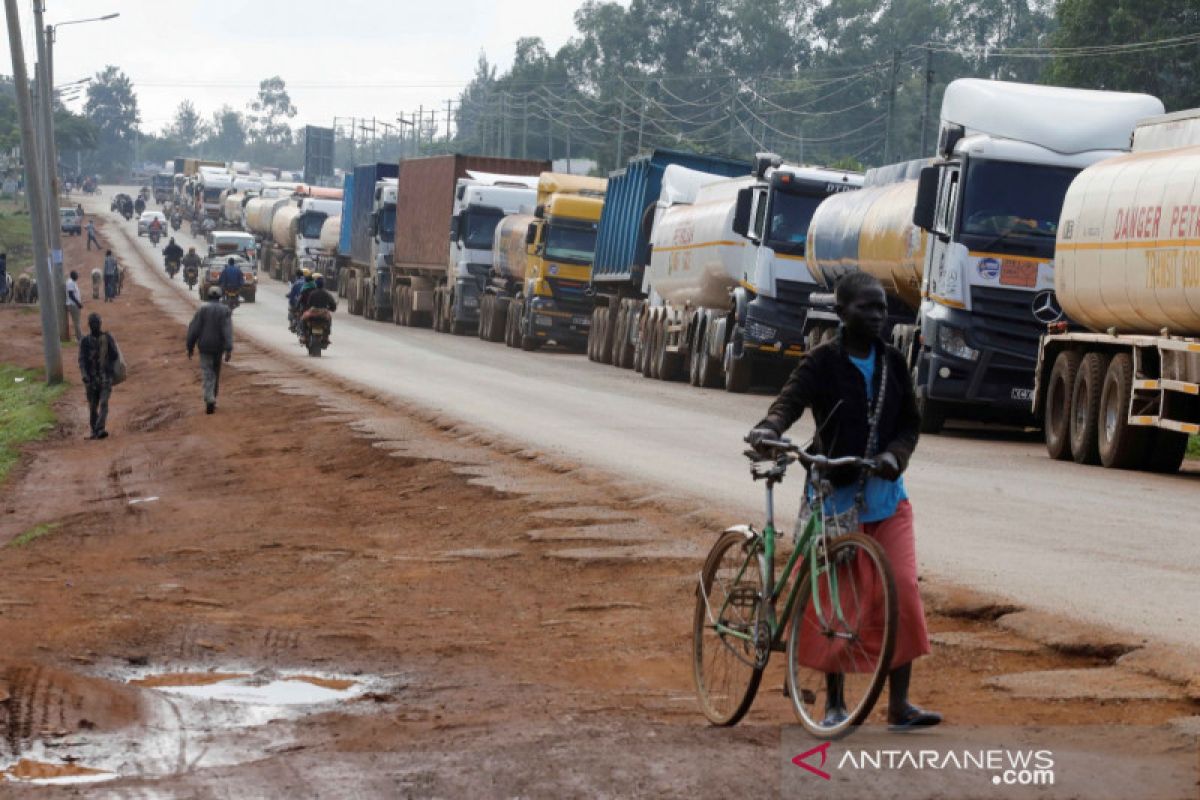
(993, 512)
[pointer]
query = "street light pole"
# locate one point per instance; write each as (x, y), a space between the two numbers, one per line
(52, 350)
(50, 168)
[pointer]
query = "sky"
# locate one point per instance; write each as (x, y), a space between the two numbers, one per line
(339, 58)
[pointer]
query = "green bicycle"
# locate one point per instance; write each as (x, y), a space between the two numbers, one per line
(837, 624)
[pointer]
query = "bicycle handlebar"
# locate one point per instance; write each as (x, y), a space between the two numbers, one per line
(809, 459)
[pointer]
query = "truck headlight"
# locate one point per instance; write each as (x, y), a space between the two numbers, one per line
(760, 332)
(954, 342)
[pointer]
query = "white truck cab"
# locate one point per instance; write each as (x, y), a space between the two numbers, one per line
(313, 213)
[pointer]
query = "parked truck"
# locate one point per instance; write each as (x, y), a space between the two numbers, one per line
(480, 201)
(542, 265)
(332, 263)
(212, 182)
(296, 229)
(420, 268)
(623, 247)
(260, 213)
(1124, 391)
(367, 239)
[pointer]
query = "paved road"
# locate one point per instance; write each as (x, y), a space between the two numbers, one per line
(993, 512)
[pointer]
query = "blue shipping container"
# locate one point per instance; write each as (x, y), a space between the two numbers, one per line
(365, 178)
(347, 205)
(623, 241)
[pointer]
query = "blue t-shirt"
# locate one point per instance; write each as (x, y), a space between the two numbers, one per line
(880, 496)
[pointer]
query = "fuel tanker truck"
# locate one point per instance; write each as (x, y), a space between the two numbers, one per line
(541, 267)
(727, 286)
(1125, 392)
(296, 228)
(260, 213)
(990, 204)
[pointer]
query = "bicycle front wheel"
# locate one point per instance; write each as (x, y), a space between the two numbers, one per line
(841, 638)
(730, 638)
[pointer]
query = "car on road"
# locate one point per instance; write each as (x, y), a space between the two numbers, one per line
(69, 221)
(210, 273)
(240, 243)
(149, 216)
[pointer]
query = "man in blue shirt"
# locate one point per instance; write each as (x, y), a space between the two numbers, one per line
(231, 279)
(857, 385)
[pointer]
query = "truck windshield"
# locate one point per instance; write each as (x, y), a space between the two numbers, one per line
(478, 227)
(212, 195)
(387, 224)
(787, 230)
(310, 224)
(570, 242)
(1011, 207)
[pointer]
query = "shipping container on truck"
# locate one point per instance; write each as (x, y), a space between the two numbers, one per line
(727, 286)
(368, 237)
(424, 209)
(538, 289)
(1123, 388)
(623, 246)
(1006, 154)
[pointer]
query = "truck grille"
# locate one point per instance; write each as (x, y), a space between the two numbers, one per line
(792, 292)
(571, 293)
(1004, 323)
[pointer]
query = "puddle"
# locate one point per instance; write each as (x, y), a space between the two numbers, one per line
(40, 772)
(186, 679)
(255, 690)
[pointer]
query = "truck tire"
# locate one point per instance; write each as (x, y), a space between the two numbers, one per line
(1165, 451)
(1085, 408)
(710, 368)
(485, 316)
(1121, 445)
(499, 319)
(739, 372)
(527, 343)
(593, 339)
(607, 319)
(512, 324)
(933, 414)
(405, 299)
(650, 348)
(622, 354)
(670, 364)
(1057, 428)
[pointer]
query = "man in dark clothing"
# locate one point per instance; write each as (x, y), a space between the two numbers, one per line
(91, 232)
(172, 251)
(856, 385)
(231, 279)
(3, 276)
(98, 356)
(316, 301)
(211, 330)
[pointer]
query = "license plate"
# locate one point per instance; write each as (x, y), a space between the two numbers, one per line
(1022, 394)
(583, 322)
(1018, 273)
(319, 331)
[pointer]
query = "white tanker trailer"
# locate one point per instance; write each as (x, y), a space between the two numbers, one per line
(259, 214)
(726, 287)
(1126, 393)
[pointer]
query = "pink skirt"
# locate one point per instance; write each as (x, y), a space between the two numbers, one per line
(864, 608)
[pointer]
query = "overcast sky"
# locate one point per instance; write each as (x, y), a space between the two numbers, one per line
(338, 57)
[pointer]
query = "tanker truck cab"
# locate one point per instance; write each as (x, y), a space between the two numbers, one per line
(480, 202)
(313, 213)
(562, 236)
(1006, 155)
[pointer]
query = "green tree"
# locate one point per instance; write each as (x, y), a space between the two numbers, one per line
(270, 111)
(228, 134)
(1167, 73)
(113, 109)
(188, 127)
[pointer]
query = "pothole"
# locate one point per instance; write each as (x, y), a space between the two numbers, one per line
(39, 772)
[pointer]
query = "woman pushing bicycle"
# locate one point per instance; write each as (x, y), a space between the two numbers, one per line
(861, 395)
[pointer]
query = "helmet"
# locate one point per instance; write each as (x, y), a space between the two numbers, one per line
(307, 272)
(316, 276)
(214, 293)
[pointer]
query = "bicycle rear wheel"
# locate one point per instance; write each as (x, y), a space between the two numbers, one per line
(730, 637)
(844, 651)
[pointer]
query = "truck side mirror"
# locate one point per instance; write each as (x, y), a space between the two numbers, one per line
(373, 226)
(741, 214)
(530, 234)
(454, 223)
(925, 209)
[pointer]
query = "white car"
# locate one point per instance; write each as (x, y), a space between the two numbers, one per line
(149, 216)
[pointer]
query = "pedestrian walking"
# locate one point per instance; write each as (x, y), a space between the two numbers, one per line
(74, 303)
(211, 332)
(98, 357)
(91, 231)
(111, 276)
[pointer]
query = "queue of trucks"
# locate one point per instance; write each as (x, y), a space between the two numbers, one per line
(1035, 268)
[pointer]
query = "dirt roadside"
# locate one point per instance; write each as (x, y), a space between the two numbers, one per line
(519, 626)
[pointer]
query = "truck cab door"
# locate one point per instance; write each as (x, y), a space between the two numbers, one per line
(937, 281)
(757, 260)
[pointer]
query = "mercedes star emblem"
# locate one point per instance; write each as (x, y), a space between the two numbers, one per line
(1045, 307)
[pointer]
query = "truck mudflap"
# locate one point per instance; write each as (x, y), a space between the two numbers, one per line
(964, 362)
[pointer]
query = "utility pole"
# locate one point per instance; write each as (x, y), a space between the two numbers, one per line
(417, 128)
(525, 125)
(47, 302)
(448, 102)
(642, 121)
(44, 110)
(925, 108)
(891, 108)
(621, 127)
(732, 118)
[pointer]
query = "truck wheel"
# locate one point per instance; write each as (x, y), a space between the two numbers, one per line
(498, 319)
(695, 353)
(1165, 451)
(607, 318)
(405, 295)
(396, 308)
(933, 414)
(594, 335)
(511, 324)
(621, 356)
(650, 348)
(739, 372)
(528, 343)
(1121, 445)
(460, 328)
(1085, 408)
(709, 367)
(670, 364)
(485, 316)
(1058, 405)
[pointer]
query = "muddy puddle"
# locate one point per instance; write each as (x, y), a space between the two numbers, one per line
(190, 720)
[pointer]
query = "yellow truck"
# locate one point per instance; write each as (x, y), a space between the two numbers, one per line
(537, 290)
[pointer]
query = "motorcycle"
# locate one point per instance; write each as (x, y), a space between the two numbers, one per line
(154, 237)
(232, 299)
(127, 213)
(190, 276)
(176, 223)
(172, 267)
(314, 330)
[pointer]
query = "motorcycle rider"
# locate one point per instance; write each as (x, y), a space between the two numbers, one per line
(172, 252)
(310, 283)
(293, 297)
(317, 300)
(191, 263)
(155, 229)
(231, 279)
(139, 205)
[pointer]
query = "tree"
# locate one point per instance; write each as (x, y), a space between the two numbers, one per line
(188, 128)
(270, 112)
(112, 109)
(1166, 73)
(228, 134)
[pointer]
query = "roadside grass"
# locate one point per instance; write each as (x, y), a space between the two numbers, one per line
(1193, 450)
(16, 237)
(25, 412)
(35, 533)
